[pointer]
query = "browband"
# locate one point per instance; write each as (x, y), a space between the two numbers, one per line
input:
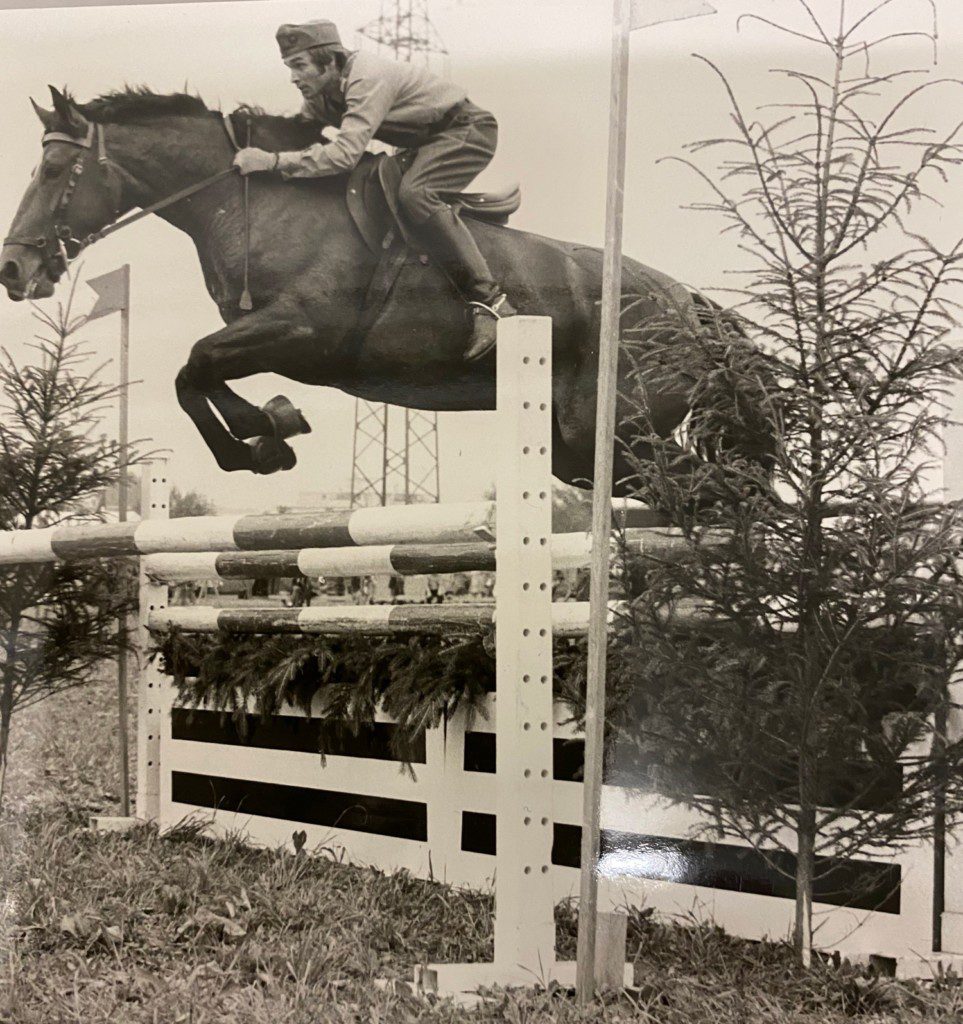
(72, 139)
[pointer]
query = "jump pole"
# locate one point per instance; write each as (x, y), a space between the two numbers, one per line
(626, 16)
(602, 509)
(569, 551)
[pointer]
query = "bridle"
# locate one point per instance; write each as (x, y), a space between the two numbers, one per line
(58, 252)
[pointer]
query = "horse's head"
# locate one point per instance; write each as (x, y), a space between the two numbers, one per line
(71, 194)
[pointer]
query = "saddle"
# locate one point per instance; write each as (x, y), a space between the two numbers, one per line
(372, 199)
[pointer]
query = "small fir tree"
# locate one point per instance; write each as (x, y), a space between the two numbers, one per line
(58, 621)
(803, 712)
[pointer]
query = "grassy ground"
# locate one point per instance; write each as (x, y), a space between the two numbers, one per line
(142, 928)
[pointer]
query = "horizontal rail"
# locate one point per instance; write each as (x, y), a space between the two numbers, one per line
(569, 551)
(569, 619)
(450, 523)
(456, 523)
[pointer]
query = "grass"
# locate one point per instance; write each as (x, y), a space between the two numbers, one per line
(176, 928)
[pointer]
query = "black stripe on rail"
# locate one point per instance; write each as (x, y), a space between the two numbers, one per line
(354, 812)
(421, 559)
(110, 540)
(294, 733)
(859, 884)
(859, 786)
(294, 530)
(257, 565)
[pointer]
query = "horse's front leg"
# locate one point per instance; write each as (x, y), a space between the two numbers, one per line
(247, 346)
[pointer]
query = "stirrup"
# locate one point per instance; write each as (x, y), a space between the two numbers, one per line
(494, 309)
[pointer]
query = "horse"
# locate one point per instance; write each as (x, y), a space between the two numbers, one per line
(308, 270)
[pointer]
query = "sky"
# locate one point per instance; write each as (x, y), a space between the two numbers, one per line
(542, 66)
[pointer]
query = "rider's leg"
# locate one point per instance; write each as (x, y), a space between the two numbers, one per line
(447, 163)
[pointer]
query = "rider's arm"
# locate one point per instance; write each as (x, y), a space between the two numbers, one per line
(369, 100)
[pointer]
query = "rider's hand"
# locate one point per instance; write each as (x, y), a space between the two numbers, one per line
(252, 159)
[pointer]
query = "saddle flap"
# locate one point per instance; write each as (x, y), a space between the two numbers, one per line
(368, 204)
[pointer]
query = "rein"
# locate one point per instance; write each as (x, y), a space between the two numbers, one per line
(96, 236)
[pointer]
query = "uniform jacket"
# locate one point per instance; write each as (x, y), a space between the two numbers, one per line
(388, 100)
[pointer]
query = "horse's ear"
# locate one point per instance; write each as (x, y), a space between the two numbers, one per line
(69, 116)
(47, 117)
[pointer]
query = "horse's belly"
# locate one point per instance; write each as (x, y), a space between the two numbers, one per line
(449, 396)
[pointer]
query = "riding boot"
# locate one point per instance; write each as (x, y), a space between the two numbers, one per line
(463, 263)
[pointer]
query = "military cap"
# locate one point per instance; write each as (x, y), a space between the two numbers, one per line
(294, 39)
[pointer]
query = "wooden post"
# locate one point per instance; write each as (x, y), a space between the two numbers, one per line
(524, 903)
(524, 893)
(948, 847)
(602, 509)
(610, 942)
(154, 504)
(122, 503)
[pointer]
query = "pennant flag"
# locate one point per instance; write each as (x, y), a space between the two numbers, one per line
(113, 292)
(653, 12)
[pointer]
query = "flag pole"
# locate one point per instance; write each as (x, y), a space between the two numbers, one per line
(113, 296)
(122, 500)
(602, 507)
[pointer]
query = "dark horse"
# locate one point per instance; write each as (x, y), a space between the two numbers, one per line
(309, 272)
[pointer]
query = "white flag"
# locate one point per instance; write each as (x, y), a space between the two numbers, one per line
(112, 291)
(654, 12)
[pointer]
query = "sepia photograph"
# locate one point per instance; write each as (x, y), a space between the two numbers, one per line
(481, 511)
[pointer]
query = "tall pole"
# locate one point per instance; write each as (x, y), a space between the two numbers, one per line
(602, 508)
(122, 501)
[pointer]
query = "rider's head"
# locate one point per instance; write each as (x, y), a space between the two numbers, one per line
(314, 53)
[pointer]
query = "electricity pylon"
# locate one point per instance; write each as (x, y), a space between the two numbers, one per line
(395, 451)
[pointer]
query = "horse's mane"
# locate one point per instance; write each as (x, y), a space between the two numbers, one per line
(139, 104)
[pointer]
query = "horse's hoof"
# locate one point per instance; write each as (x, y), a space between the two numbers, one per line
(286, 420)
(269, 455)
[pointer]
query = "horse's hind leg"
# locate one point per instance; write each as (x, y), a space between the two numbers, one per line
(230, 453)
(243, 419)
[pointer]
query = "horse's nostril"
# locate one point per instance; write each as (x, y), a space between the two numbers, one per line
(10, 272)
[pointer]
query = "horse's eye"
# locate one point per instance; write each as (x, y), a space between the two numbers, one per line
(51, 171)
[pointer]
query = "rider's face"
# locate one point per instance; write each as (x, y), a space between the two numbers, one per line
(311, 80)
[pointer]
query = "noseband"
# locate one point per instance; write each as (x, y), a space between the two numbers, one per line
(59, 251)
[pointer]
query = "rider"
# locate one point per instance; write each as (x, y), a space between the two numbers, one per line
(406, 106)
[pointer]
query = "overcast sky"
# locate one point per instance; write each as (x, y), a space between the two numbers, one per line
(540, 65)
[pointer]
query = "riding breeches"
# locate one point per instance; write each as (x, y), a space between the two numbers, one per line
(447, 162)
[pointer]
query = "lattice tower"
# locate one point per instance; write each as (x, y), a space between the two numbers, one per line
(395, 451)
